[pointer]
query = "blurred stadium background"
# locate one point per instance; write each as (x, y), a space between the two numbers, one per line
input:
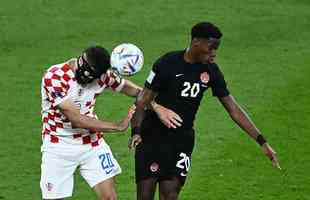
(264, 55)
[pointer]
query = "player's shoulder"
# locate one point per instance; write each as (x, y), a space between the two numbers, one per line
(215, 71)
(59, 71)
(214, 67)
(167, 59)
(171, 56)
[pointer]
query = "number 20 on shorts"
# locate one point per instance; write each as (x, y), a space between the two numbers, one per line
(106, 161)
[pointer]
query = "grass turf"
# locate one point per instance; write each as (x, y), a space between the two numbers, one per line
(264, 56)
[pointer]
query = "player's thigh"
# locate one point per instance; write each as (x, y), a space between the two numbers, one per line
(147, 162)
(146, 188)
(180, 162)
(99, 168)
(169, 189)
(56, 176)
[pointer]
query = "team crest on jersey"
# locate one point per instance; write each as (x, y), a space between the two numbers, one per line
(204, 77)
(154, 167)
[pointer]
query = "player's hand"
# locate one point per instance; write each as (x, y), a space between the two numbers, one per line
(124, 124)
(168, 117)
(134, 141)
(271, 154)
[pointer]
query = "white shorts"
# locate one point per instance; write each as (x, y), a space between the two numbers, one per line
(96, 164)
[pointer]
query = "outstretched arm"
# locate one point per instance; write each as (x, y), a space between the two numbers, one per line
(240, 117)
(78, 120)
(131, 89)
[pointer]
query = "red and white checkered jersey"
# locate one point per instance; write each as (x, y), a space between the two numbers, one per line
(59, 84)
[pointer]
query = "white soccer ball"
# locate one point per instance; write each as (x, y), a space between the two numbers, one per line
(127, 59)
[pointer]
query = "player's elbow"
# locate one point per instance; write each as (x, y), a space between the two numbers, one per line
(76, 122)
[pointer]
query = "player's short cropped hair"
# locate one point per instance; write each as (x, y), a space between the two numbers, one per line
(205, 30)
(98, 57)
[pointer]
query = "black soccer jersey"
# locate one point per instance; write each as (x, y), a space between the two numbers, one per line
(181, 85)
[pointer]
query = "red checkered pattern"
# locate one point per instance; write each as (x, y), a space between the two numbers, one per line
(55, 86)
(58, 84)
(111, 80)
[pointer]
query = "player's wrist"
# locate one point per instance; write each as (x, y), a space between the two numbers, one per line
(154, 105)
(260, 140)
(135, 131)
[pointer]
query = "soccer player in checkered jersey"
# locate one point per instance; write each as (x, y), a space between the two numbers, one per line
(178, 81)
(72, 133)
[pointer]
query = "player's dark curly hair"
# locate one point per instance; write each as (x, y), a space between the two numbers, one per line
(205, 30)
(98, 57)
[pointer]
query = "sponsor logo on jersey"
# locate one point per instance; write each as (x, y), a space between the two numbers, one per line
(204, 77)
(154, 167)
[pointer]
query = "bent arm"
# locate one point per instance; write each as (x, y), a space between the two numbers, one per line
(144, 99)
(239, 116)
(78, 120)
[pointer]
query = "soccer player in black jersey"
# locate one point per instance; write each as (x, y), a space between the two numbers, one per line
(164, 136)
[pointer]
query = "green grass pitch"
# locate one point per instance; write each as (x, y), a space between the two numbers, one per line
(264, 55)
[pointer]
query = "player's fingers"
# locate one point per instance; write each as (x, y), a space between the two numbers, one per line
(175, 123)
(278, 166)
(177, 117)
(132, 144)
(171, 125)
(166, 122)
(130, 115)
(137, 142)
(132, 110)
(133, 107)
(276, 163)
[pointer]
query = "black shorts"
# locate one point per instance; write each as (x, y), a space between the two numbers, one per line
(163, 153)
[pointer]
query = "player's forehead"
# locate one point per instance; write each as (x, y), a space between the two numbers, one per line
(211, 42)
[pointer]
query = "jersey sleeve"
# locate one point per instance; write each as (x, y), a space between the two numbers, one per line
(219, 86)
(56, 86)
(158, 77)
(113, 81)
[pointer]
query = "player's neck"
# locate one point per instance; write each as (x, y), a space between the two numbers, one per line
(189, 56)
(72, 64)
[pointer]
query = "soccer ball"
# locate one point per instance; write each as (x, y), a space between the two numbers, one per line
(127, 59)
